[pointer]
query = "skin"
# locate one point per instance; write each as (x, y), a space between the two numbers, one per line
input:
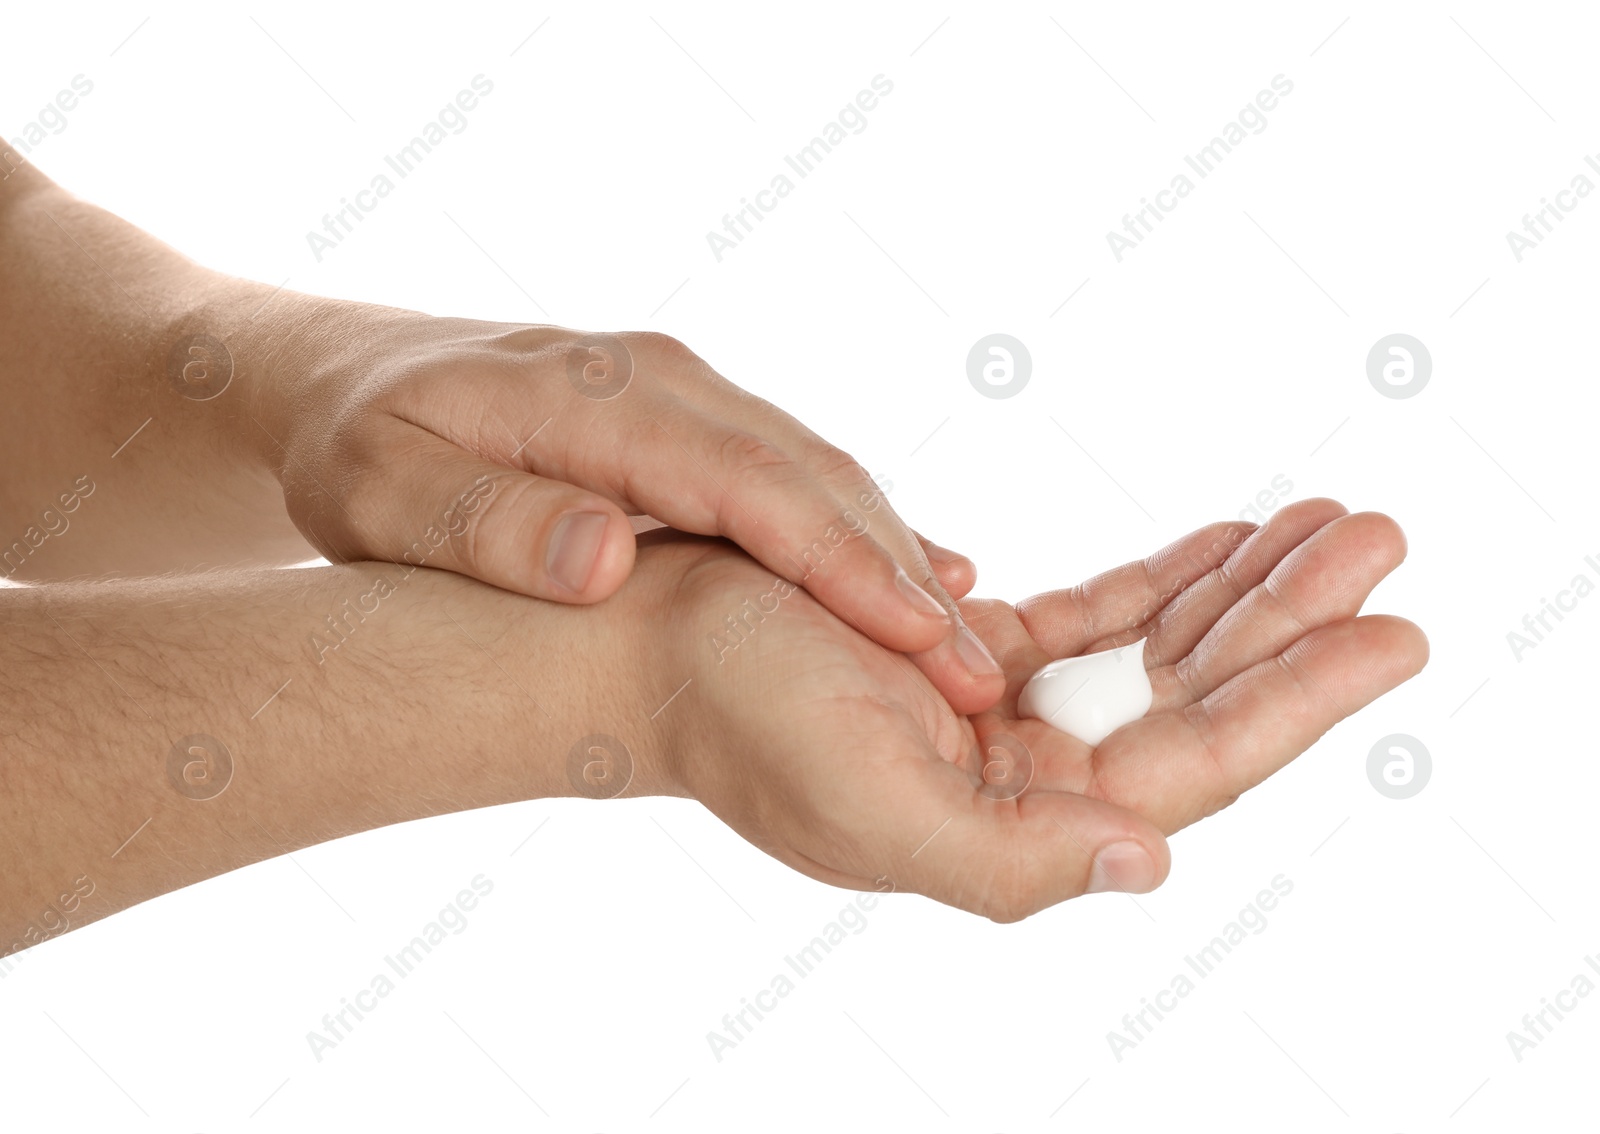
(304, 426)
(838, 759)
(443, 666)
(833, 755)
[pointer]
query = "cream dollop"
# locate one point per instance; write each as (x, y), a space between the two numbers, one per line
(1092, 695)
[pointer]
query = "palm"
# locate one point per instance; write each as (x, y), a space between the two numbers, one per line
(1250, 663)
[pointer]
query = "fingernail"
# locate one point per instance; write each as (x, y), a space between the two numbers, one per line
(574, 547)
(974, 654)
(921, 600)
(1125, 867)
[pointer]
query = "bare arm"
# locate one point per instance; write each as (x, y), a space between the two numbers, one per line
(343, 698)
(95, 315)
(161, 417)
(351, 697)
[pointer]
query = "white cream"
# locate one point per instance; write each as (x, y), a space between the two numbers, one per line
(1090, 696)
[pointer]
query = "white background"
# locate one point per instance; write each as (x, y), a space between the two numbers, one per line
(1226, 350)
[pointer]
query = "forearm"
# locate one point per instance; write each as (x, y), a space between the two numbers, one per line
(102, 389)
(345, 698)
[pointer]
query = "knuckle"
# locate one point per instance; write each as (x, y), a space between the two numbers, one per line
(1010, 896)
(1006, 908)
(836, 465)
(531, 339)
(659, 346)
(1205, 731)
(748, 454)
(1183, 671)
(670, 367)
(500, 505)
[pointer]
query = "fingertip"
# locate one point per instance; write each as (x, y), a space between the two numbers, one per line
(1320, 509)
(1124, 866)
(1412, 640)
(1424, 648)
(957, 575)
(1161, 854)
(1383, 531)
(588, 553)
(971, 695)
(615, 562)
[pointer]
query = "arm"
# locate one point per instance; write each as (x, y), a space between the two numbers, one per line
(90, 311)
(344, 698)
(227, 422)
(821, 748)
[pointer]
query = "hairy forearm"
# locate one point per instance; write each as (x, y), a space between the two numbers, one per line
(344, 698)
(135, 371)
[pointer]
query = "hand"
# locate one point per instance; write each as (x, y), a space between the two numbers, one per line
(839, 759)
(380, 421)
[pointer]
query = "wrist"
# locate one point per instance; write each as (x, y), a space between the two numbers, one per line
(244, 348)
(675, 608)
(602, 732)
(660, 662)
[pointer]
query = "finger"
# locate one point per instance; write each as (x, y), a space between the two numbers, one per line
(1324, 580)
(440, 506)
(955, 572)
(924, 827)
(1125, 599)
(702, 476)
(960, 666)
(1193, 611)
(998, 624)
(1178, 767)
(798, 506)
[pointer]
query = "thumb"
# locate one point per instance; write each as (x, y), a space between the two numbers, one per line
(1007, 856)
(447, 508)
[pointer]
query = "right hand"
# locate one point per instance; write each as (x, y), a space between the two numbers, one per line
(380, 418)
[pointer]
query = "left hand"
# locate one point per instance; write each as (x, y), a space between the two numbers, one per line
(840, 760)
